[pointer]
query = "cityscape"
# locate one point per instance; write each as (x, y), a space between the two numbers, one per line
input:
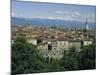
(49, 37)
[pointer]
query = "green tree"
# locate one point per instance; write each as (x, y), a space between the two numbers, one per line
(54, 65)
(25, 58)
(87, 57)
(69, 59)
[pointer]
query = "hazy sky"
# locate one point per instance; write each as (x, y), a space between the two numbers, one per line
(53, 11)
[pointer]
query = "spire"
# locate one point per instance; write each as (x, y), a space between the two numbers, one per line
(86, 21)
(87, 27)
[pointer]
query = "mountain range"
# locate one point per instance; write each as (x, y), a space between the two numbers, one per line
(51, 22)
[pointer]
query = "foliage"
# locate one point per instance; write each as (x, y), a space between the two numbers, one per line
(24, 56)
(69, 59)
(26, 59)
(87, 58)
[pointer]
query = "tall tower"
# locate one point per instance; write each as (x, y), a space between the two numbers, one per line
(87, 27)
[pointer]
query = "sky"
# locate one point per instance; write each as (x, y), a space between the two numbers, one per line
(59, 11)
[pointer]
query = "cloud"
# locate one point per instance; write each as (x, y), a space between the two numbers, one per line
(12, 14)
(70, 15)
(67, 13)
(53, 17)
(77, 13)
(61, 12)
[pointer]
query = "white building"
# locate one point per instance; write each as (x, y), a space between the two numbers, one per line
(62, 45)
(73, 43)
(87, 42)
(32, 41)
(55, 48)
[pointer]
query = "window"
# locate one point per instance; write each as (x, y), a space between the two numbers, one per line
(49, 47)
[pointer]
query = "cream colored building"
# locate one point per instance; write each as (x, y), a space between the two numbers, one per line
(55, 48)
(62, 45)
(87, 42)
(32, 41)
(76, 44)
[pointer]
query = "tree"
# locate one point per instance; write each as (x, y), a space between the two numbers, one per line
(25, 57)
(69, 59)
(87, 59)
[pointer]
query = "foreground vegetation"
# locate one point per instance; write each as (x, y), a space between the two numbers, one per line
(26, 59)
